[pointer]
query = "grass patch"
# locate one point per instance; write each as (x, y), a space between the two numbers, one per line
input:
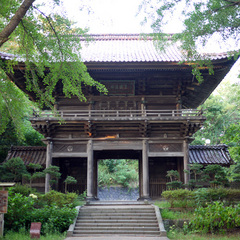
(168, 214)
(178, 235)
(162, 204)
(22, 235)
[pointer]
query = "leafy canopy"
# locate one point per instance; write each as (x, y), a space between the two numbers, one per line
(199, 23)
(48, 44)
(201, 20)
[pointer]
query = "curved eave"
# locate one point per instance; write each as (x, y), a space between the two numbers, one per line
(196, 97)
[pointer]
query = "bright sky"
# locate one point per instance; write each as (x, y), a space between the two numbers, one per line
(107, 16)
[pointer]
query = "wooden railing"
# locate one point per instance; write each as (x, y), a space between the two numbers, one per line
(119, 114)
(83, 114)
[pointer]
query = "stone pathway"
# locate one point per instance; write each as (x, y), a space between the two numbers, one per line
(117, 194)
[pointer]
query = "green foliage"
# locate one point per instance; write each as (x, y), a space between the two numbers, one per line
(54, 219)
(114, 172)
(175, 182)
(232, 138)
(59, 199)
(12, 170)
(44, 38)
(215, 218)
(111, 164)
(174, 196)
(202, 21)
(173, 175)
(19, 212)
(54, 173)
(54, 210)
(22, 189)
(69, 180)
(125, 175)
(222, 112)
(217, 175)
(24, 235)
(184, 198)
(168, 214)
(174, 185)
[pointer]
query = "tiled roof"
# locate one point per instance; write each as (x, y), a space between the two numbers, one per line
(210, 155)
(36, 155)
(197, 154)
(7, 56)
(130, 48)
(117, 48)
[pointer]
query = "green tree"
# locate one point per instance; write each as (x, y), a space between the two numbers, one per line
(69, 180)
(222, 112)
(49, 45)
(13, 170)
(232, 139)
(217, 175)
(202, 22)
(32, 172)
(54, 173)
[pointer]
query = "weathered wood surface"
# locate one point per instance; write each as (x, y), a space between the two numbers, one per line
(121, 114)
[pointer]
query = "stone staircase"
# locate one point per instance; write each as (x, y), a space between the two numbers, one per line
(133, 219)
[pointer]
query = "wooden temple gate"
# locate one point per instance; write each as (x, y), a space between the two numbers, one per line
(150, 110)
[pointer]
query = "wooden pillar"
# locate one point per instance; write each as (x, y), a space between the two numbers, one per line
(145, 170)
(90, 171)
(48, 163)
(186, 161)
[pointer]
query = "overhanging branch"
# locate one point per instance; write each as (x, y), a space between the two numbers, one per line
(15, 20)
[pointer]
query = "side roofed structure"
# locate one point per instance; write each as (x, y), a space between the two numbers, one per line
(148, 115)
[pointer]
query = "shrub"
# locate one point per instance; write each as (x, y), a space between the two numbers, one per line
(22, 189)
(54, 219)
(19, 210)
(54, 210)
(13, 170)
(215, 218)
(177, 195)
(174, 185)
(59, 199)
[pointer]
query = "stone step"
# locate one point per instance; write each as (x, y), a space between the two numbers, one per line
(122, 220)
(121, 203)
(112, 210)
(118, 221)
(110, 228)
(147, 218)
(113, 214)
(128, 223)
(114, 232)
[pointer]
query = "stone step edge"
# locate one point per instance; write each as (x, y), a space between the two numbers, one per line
(116, 224)
(115, 221)
(116, 228)
(107, 232)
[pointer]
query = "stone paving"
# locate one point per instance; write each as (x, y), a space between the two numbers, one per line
(118, 193)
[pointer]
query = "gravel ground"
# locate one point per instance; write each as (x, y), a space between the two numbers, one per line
(117, 193)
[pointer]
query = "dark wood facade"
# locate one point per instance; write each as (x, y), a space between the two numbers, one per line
(149, 114)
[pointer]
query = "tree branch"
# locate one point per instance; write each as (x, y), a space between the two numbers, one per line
(15, 20)
(231, 4)
(49, 21)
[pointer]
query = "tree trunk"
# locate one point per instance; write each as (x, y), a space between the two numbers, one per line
(15, 20)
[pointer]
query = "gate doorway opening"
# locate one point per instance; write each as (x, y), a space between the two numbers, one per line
(118, 176)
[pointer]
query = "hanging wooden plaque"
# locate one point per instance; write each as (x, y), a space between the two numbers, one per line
(3, 201)
(120, 88)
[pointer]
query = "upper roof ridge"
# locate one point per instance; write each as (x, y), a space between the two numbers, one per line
(118, 36)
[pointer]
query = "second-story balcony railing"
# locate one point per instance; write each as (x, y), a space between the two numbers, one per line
(121, 114)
